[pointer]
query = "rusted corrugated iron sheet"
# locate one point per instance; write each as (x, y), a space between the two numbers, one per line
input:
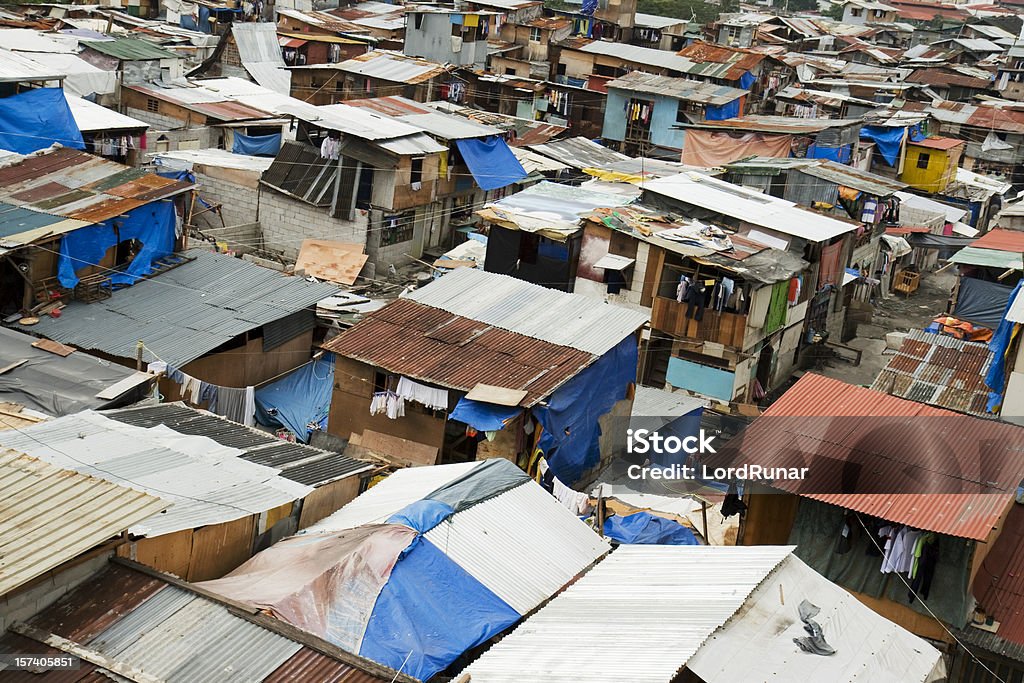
(999, 585)
(14, 644)
(939, 471)
(1002, 240)
(428, 344)
(98, 603)
(309, 665)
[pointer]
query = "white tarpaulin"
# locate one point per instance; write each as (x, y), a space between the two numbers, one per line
(899, 246)
(82, 77)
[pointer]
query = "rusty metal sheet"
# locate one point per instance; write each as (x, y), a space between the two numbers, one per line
(37, 167)
(174, 188)
(98, 603)
(970, 510)
(309, 665)
(116, 179)
(428, 344)
(53, 204)
(11, 643)
(40, 193)
(137, 186)
(1002, 240)
(108, 208)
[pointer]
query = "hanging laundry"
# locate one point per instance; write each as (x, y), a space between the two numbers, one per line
(421, 393)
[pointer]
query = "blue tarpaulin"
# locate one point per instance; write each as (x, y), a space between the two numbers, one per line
(643, 528)
(491, 162)
(36, 119)
(429, 612)
(571, 430)
(298, 400)
(888, 140)
(747, 80)
(999, 345)
(838, 154)
(257, 145)
(485, 417)
(915, 133)
(423, 515)
(730, 110)
(152, 225)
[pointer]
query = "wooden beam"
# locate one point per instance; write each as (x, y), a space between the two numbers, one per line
(92, 656)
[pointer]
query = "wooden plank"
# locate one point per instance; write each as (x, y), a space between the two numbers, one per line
(92, 656)
(12, 366)
(488, 393)
(333, 261)
(453, 263)
(398, 450)
(219, 548)
(125, 385)
(57, 348)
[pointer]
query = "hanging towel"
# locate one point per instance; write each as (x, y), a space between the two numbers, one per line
(421, 393)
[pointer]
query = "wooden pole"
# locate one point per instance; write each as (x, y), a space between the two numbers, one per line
(139, 347)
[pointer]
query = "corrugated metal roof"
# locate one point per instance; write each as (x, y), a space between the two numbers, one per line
(15, 67)
(91, 117)
(384, 499)
(129, 49)
(437, 123)
(966, 473)
(1001, 239)
(186, 312)
(999, 584)
(396, 67)
(789, 125)
(676, 88)
(297, 461)
(645, 611)
(749, 206)
(757, 643)
(208, 483)
(50, 515)
(532, 162)
(79, 186)
(531, 310)
(651, 402)
(432, 345)
(260, 54)
(654, 21)
(173, 634)
(990, 258)
(849, 176)
(522, 544)
(940, 371)
(580, 153)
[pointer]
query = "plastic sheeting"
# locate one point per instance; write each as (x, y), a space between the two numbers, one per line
(423, 515)
(430, 612)
(840, 154)
(982, 302)
(257, 145)
(299, 400)
(570, 420)
(643, 528)
(325, 584)
(730, 110)
(152, 225)
(490, 479)
(888, 141)
(484, 417)
(491, 162)
(713, 148)
(36, 119)
(1000, 344)
(747, 80)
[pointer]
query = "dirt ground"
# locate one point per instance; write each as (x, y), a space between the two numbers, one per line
(895, 314)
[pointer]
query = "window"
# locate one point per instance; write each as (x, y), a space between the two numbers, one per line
(856, 11)
(529, 243)
(397, 228)
(417, 20)
(152, 105)
(561, 69)
(416, 174)
(534, 35)
(732, 33)
(686, 108)
(923, 159)
(509, 71)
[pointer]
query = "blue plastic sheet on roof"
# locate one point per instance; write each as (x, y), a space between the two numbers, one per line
(485, 417)
(491, 162)
(571, 429)
(643, 528)
(423, 515)
(840, 154)
(298, 400)
(729, 110)
(747, 80)
(588, 8)
(1000, 344)
(36, 119)
(888, 141)
(152, 225)
(915, 133)
(257, 145)
(429, 612)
